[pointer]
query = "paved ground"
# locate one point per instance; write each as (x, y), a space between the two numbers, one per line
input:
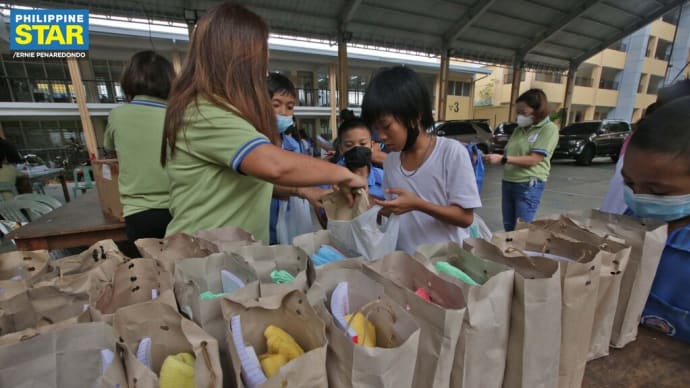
(570, 187)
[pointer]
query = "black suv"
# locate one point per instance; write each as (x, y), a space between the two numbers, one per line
(466, 131)
(585, 140)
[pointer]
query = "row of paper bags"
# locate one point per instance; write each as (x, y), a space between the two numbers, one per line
(530, 322)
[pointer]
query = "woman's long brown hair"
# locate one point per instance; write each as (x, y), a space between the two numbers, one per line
(226, 64)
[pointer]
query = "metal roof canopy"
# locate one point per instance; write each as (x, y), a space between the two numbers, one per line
(542, 34)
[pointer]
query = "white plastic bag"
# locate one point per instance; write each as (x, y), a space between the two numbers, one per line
(363, 236)
(294, 219)
(479, 229)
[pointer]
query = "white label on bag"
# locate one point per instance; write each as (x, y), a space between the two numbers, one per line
(107, 174)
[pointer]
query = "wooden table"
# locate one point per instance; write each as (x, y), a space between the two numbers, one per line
(50, 173)
(653, 360)
(78, 223)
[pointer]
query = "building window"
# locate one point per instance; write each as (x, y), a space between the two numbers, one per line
(549, 76)
(459, 88)
(619, 46)
(663, 50)
(508, 76)
(655, 83)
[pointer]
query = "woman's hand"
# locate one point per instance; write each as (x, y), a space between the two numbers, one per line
(493, 158)
(350, 184)
(404, 202)
(313, 195)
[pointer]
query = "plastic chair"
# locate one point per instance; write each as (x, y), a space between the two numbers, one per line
(38, 187)
(84, 185)
(44, 199)
(23, 210)
(7, 187)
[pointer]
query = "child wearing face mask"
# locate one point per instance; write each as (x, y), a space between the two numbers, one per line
(656, 173)
(527, 158)
(428, 180)
(283, 99)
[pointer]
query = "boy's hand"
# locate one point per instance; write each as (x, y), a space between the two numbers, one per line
(405, 201)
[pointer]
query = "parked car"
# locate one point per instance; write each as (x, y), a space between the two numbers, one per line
(465, 131)
(501, 135)
(585, 140)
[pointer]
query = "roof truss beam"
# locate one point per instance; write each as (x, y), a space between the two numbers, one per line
(659, 12)
(348, 14)
(558, 26)
(470, 17)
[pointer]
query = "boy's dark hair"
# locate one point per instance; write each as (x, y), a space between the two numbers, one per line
(347, 114)
(350, 124)
(280, 84)
(666, 130)
(149, 74)
(400, 92)
(9, 153)
(536, 99)
(674, 91)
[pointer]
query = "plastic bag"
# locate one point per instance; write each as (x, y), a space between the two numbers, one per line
(364, 236)
(294, 219)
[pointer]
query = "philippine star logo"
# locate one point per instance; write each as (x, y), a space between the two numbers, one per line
(49, 33)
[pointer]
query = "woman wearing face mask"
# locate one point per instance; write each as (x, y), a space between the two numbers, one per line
(527, 158)
(656, 173)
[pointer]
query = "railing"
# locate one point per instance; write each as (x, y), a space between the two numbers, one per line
(322, 97)
(584, 81)
(24, 89)
(608, 84)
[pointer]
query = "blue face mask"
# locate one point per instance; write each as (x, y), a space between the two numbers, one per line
(661, 207)
(284, 122)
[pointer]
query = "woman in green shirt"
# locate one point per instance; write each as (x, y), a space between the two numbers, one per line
(219, 145)
(527, 158)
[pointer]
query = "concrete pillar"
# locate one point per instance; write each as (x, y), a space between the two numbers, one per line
(79, 91)
(333, 124)
(342, 73)
(681, 46)
(443, 86)
(86, 69)
(515, 87)
(437, 93)
(589, 113)
(630, 76)
(568, 95)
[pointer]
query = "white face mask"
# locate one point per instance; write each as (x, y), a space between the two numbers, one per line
(524, 121)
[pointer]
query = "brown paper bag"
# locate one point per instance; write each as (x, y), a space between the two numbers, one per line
(293, 314)
(534, 342)
(23, 308)
(611, 273)
(266, 259)
(225, 239)
(171, 249)
(338, 209)
(90, 315)
(483, 341)
(195, 276)
(93, 281)
(440, 321)
(170, 334)
(90, 258)
(310, 243)
(67, 357)
(647, 239)
(25, 265)
(392, 362)
(136, 281)
(579, 291)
